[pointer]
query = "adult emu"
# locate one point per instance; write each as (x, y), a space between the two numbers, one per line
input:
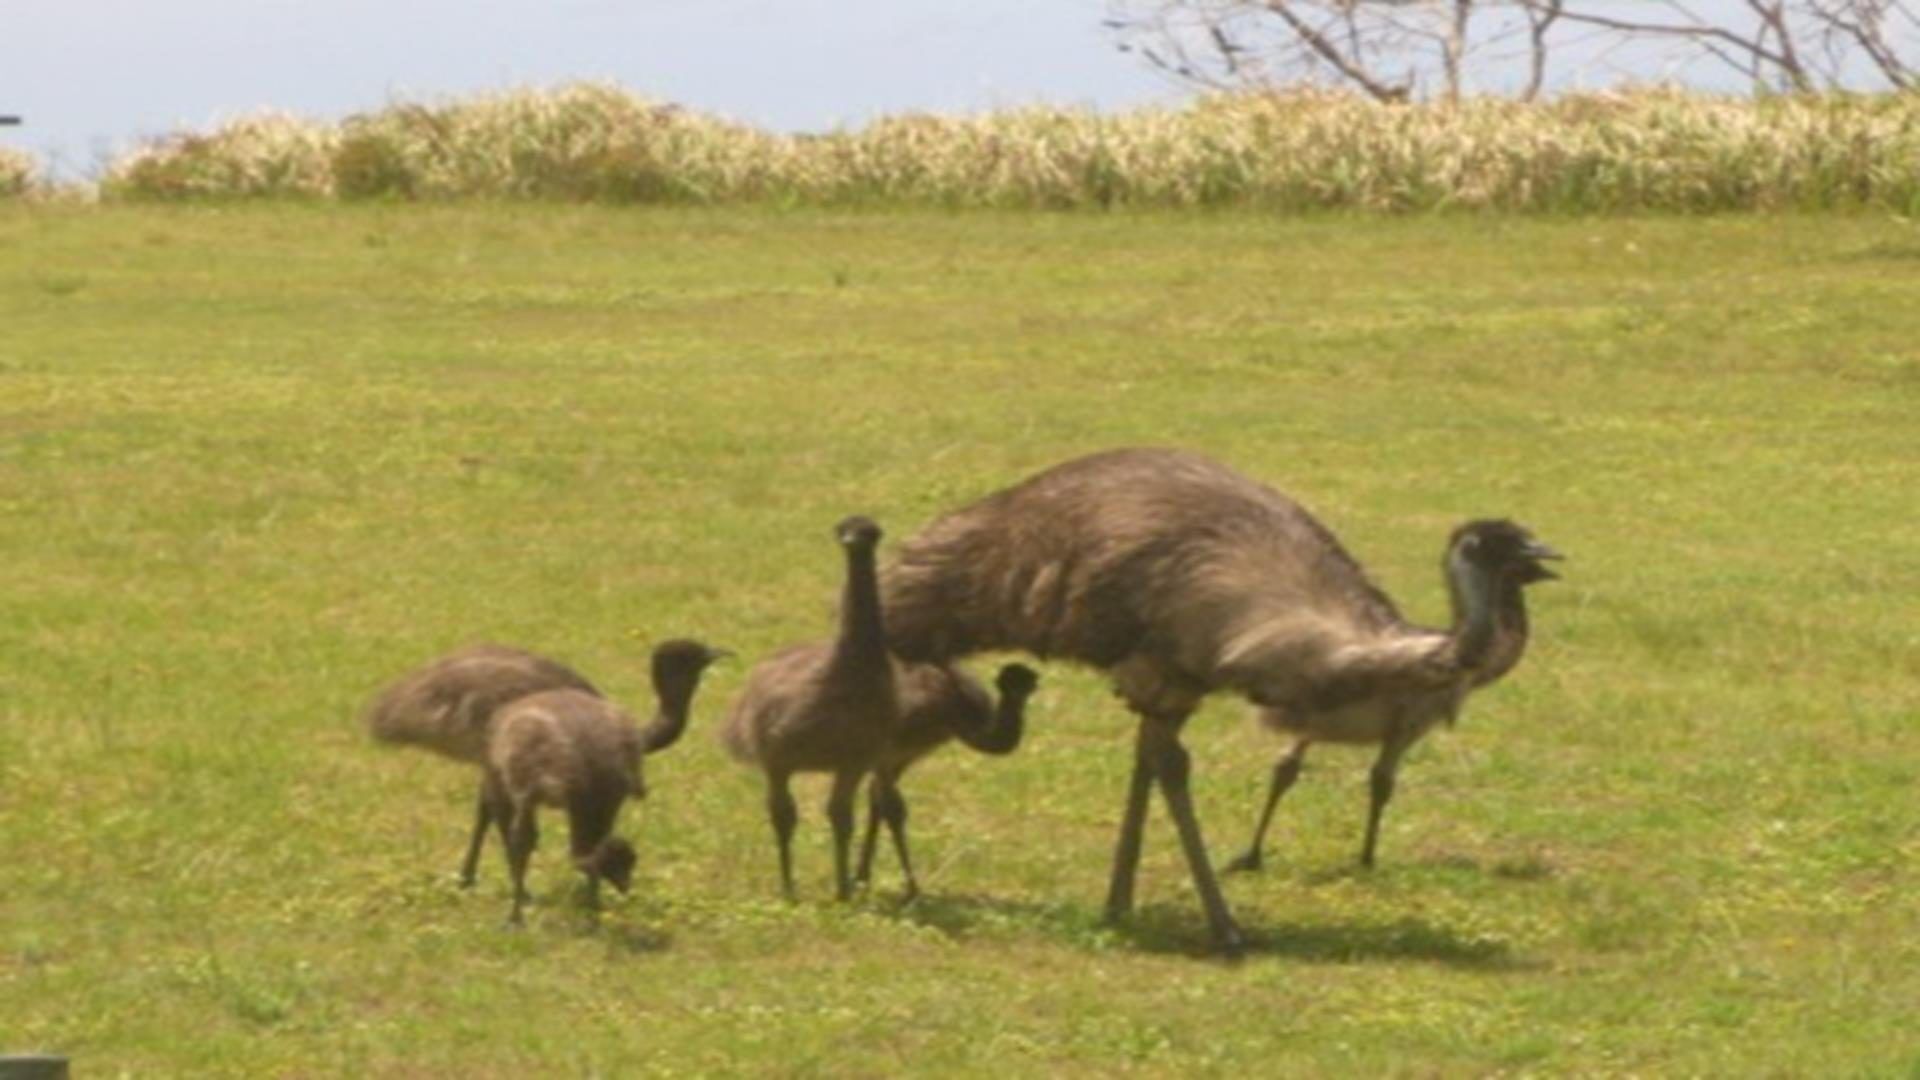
(1396, 733)
(1179, 577)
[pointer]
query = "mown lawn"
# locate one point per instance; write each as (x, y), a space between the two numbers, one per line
(256, 460)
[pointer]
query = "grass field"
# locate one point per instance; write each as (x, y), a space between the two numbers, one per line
(254, 461)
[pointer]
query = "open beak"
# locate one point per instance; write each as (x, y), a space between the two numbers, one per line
(1538, 553)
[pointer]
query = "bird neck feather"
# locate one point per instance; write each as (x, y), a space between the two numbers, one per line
(861, 631)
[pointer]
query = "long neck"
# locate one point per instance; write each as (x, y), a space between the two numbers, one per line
(1475, 597)
(1003, 735)
(862, 637)
(675, 696)
(1509, 634)
(591, 819)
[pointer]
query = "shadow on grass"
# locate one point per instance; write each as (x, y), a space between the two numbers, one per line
(1518, 868)
(1175, 929)
(634, 939)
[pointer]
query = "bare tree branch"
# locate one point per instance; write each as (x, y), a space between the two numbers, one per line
(1393, 49)
(1330, 53)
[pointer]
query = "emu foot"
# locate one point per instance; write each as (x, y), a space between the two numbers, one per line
(1229, 942)
(1247, 863)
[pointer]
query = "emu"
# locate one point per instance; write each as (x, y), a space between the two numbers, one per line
(938, 705)
(449, 705)
(574, 751)
(1180, 577)
(1507, 545)
(813, 709)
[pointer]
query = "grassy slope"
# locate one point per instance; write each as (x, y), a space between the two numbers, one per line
(253, 461)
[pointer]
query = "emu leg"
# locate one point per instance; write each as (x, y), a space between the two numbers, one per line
(482, 817)
(522, 836)
(581, 823)
(840, 816)
(863, 873)
(893, 810)
(782, 812)
(1285, 772)
(1171, 766)
(1126, 854)
(1380, 788)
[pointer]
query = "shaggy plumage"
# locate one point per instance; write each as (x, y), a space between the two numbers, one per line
(814, 709)
(939, 704)
(449, 706)
(1179, 577)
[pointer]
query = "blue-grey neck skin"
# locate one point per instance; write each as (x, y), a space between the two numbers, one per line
(1472, 591)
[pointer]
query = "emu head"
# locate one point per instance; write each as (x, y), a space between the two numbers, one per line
(678, 664)
(614, 860)
(1497, 549)
(1016, 681)
(857, 532)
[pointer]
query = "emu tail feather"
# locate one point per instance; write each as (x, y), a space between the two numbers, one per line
(443, 727)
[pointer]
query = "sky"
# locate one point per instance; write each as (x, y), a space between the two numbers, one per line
(91, 76)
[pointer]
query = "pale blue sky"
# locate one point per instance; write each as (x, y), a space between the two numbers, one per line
(90, 75)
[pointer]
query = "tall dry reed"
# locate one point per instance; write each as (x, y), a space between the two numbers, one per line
(19, 172)
(1650, 149)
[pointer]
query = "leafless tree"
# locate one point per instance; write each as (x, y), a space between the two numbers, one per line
(1393, 50)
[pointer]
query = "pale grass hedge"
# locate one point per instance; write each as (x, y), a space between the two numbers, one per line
(19, 173)
(1655, 149)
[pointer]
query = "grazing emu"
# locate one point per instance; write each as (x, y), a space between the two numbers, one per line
(448, 706)
(813, 709)
(1516, 556)
(938, 704)
(1179, 577)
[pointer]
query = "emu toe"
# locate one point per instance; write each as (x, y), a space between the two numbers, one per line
(1247, 863)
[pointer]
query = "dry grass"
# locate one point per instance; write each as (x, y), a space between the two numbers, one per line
(1654, 149)
(19, 172)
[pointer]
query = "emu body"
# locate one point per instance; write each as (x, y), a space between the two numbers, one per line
(813, 709)
(1394, 727)
(939, 704)
(1180, 577)
(449, 706)
(572, 751)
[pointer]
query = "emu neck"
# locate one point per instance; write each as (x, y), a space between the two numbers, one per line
(591, 814)
(862, 638)
(1009, 722)
(1474, 605)
(1509, 633)
(670, 720)
(1003, 734)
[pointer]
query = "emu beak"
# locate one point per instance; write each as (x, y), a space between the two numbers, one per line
(1537, 551)
(717, 655)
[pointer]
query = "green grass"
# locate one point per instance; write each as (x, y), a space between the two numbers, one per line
(256, 460)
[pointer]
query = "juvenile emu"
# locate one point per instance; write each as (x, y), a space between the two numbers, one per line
(1179, 577)
(449, 705)
(939, 704)
(573, 751)
(1509, 546)
(813, 709)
